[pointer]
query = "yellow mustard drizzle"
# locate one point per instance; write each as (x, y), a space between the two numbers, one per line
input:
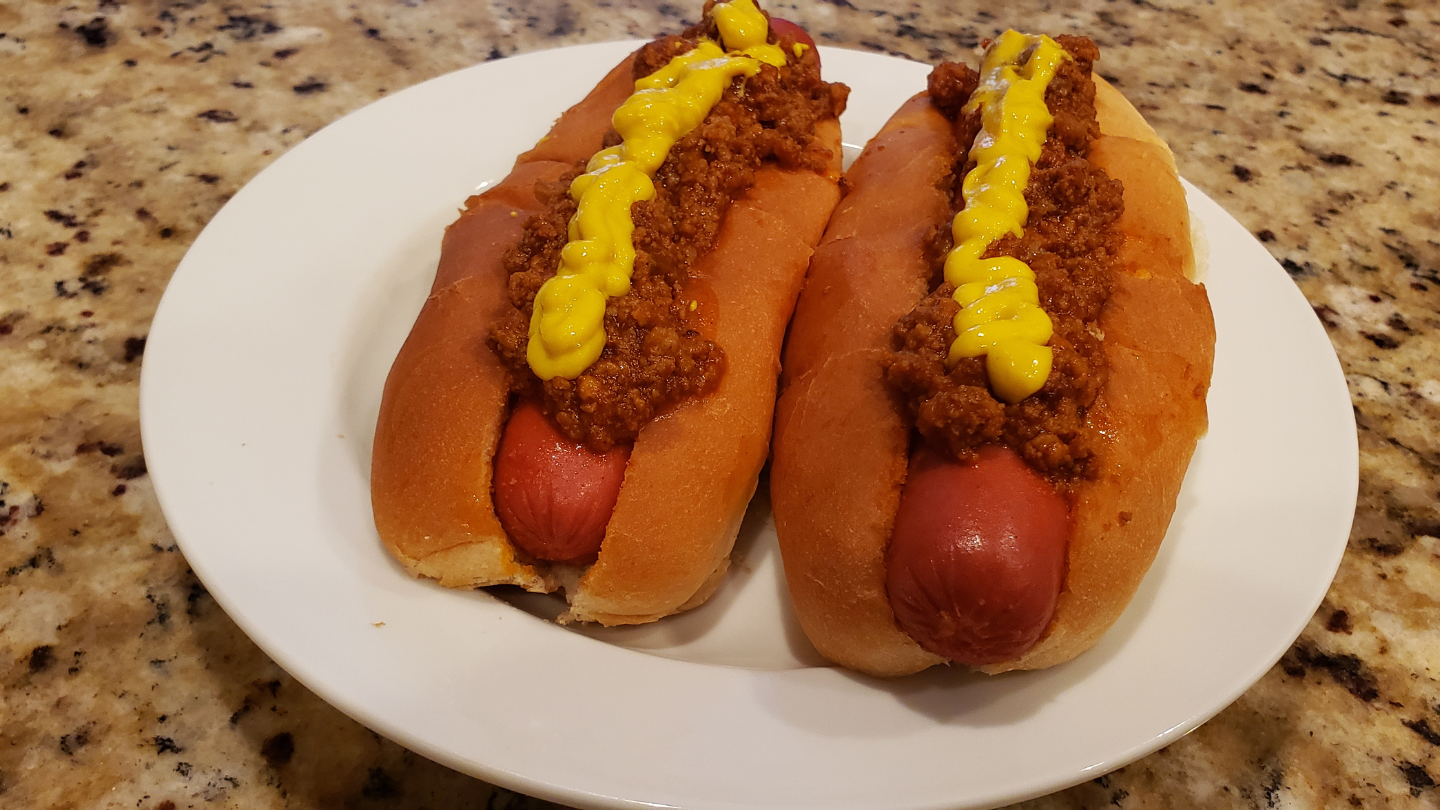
(743, 28)
(1000, 315)
(567, 328)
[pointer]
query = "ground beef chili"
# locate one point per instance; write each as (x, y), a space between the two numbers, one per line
(656, 354)
(1070, 241)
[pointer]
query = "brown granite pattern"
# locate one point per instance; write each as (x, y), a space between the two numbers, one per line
(124, 126)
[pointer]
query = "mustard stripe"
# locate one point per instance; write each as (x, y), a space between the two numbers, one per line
(567, 331)
(1000, 315)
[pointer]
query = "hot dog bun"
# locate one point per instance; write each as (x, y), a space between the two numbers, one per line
(691, 472)
(835, 520)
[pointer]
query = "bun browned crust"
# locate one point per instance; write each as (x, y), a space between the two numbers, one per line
(840, 452)
(691, 472)
(840, 442)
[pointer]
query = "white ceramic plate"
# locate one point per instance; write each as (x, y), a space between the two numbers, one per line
(261, 383)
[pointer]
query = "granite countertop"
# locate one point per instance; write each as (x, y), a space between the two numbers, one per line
(127, 125)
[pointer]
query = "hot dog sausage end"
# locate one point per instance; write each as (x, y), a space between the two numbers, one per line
(554, 496)
(977, 557)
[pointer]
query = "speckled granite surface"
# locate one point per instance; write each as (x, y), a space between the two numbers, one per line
(124, 126)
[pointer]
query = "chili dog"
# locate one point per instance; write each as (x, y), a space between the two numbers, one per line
(584, 402)
(1008, 476)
